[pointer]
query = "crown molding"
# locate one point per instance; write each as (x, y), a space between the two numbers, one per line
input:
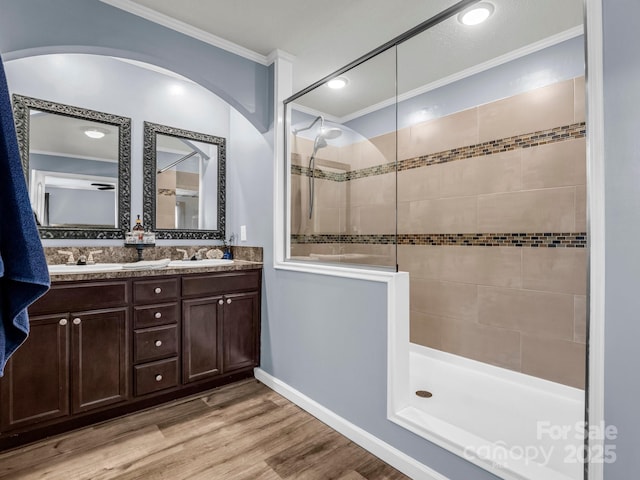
(481, 67)
(186, 29)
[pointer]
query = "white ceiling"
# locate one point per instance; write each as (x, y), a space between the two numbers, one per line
(326, 35)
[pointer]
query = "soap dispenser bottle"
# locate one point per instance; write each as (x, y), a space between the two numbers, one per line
(138, 230)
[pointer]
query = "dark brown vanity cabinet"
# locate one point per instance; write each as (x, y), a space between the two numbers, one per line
(98, 349)
(156, 335)
(220, 330)
(73, 361)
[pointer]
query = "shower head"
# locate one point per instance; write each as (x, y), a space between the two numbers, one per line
(330, 133)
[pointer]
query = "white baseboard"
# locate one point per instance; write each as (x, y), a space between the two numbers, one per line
(394, 457)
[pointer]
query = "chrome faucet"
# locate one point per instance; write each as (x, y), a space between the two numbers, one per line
(70, 258)
(185, 255)
(90, 260)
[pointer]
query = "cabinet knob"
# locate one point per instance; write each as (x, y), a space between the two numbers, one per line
(63, 321)
(158, 343)
(158, 290)
(228, 301)
(158, 378)
(157, 315)
(77, 321)
(220, 302)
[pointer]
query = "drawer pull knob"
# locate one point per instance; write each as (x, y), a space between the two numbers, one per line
(77, 321)
(158, 343)
(158, 290)
(158, 378)
(220, 302)
(63, 321)
(228, 301)
(158, 315)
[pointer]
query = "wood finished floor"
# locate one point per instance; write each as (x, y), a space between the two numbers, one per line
(241, 431)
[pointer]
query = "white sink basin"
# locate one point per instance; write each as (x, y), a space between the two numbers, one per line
(207, 262)
(96, 267)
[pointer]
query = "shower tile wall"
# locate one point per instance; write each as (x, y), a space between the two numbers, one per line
(491, 227)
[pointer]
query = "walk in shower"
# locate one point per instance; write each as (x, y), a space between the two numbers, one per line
(461, 159)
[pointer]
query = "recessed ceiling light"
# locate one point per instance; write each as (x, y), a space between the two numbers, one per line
(337, 83)
(94, 132)
(476, 14)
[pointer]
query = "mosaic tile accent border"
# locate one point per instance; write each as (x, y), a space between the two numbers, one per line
(532, 240)
(321, 174)
(528, 140)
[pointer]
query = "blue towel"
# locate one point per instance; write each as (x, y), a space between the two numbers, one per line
(24, 276)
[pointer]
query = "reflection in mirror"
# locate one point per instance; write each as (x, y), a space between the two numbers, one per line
(184, 188)
(76, 162)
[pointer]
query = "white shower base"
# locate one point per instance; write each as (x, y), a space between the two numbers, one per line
(506, 422)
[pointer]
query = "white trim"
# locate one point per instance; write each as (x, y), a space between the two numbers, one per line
(481, 67)
(283, 86)
(186, 29)
(596, 223)
(281, 55)
(394, 457)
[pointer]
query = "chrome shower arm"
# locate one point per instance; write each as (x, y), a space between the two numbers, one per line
(319, 117)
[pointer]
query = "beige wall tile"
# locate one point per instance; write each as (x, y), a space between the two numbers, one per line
(329, 193)
(404, 143)
(375, 190)
(458, 178)
(556, 360)
(303, 147)
(492, 345)
(445, 215)
(327, 220)
(444, 299)
(541, 313)
(350, 155)
(373, 219)
(548, 210)
(561, 270)
(555, 165)
(500, 266)
(419, 183)
(500, 172)
(444, 133)
(425, 329)
(538, 109)
(581, 208)
(405, 221)
(580, 319)
(580, 98)
(386, 147)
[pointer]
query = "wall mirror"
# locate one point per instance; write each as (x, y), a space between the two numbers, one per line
(184, 183)
(76, 162)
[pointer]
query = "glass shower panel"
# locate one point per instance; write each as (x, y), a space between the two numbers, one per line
(342, 182)
(491, 196)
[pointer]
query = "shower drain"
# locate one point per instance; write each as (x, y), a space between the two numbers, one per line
(424, 394)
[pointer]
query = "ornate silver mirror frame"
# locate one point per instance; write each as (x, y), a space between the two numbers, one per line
(23, 105)
(150, 172)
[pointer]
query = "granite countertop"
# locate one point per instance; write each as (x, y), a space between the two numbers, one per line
(245, 258)
(72, 277)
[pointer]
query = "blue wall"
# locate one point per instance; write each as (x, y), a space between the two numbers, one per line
(622, 220)
(32, 27)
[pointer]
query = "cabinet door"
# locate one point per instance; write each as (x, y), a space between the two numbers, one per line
(35, 387)
(200, 336)
(240, 331)
(99, 357)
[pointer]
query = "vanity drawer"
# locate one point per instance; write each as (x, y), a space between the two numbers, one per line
(80, 297)
(155, 291)
(151, 316)
(204, 285)
(155, 376)
(154, 343)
